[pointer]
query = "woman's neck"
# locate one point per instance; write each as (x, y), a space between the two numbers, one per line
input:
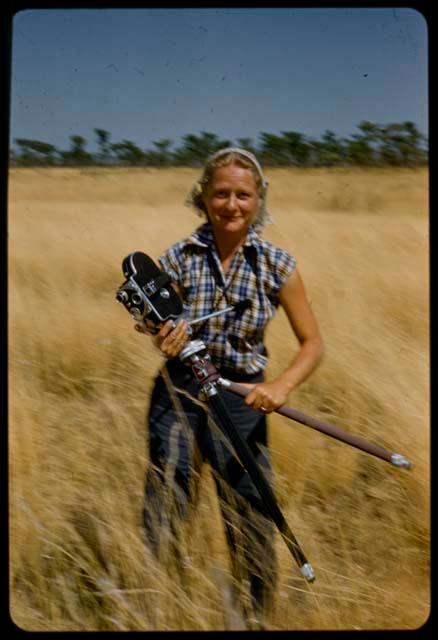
(227, 245)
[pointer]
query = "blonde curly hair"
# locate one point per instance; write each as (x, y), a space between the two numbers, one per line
(224, 158)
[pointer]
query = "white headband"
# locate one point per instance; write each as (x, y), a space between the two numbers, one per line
(247, 154)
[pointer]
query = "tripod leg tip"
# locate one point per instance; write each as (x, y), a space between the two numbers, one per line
(400, 461)
(307, 572)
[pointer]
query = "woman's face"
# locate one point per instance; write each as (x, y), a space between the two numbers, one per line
(231, 199)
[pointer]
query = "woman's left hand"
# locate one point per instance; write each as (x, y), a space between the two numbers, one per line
(267, 396)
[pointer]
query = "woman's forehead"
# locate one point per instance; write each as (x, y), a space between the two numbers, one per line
(233, 174)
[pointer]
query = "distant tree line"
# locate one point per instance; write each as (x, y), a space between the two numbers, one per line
(391, 145)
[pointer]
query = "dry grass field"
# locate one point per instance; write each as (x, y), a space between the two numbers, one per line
(80, 377)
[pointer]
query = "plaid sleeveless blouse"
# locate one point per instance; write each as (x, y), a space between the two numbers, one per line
(257, 272)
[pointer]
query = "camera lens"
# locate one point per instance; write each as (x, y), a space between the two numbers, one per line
(136, 298)
(122, 296)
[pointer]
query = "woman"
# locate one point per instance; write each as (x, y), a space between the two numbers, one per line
(222, 263)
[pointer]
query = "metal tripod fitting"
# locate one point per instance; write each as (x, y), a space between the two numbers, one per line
(308, 572)
(400, 461)
(191, 349)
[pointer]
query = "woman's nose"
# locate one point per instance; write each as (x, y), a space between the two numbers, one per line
(231, 202)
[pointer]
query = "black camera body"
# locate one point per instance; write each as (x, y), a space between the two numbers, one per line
(147, 292)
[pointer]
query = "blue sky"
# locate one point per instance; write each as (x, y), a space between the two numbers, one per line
(148, 74)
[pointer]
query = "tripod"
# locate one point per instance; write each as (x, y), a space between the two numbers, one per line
(195, 355)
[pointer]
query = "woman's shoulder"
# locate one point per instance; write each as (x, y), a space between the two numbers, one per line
(199, 237)
(273, 252)
(178, 257)
(276, 263)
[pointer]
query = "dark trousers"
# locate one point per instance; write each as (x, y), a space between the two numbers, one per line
(178, 447)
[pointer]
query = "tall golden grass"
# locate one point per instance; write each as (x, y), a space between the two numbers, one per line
(80, 377)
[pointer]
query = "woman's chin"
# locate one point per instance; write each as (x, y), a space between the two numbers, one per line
(236, 224)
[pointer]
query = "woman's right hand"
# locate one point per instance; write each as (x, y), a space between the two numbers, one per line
(171, 338)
